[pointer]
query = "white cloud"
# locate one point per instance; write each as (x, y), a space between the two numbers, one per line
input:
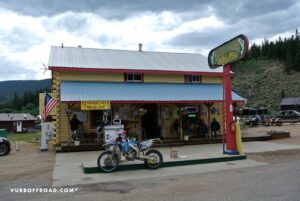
(87, 29)
(25, 40)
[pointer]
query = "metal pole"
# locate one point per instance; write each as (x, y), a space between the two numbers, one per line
(230, 138)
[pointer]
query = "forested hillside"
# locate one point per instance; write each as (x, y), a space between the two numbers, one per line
(265, 82)
(22, 96)
(271, 72)
(286, 50)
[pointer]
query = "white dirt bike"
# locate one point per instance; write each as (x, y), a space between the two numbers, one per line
(109, 160)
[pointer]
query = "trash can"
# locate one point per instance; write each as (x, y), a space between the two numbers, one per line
(3, 133)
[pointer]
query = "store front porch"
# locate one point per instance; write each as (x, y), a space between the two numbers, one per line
(93, 146)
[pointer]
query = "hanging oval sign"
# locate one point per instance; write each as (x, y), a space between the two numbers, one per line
(230, 51)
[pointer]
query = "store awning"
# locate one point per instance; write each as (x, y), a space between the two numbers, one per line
(142, 92)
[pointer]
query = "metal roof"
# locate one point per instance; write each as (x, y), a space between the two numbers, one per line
(152, 92)
(290, 101)
(16, 117)
(78, 57)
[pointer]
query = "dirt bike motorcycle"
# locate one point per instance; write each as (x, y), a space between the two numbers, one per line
(109, 160)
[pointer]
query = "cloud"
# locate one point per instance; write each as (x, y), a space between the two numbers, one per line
(19, 39)
(11, 70)
(118, 9)
(28, 28)
(238, 10)
(256, 27)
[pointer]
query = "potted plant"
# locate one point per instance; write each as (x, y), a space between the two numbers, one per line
(186, 135)
(76, 141)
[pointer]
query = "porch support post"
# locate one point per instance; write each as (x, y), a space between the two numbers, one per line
(208, 105)
(68, 113)
(180, 119)
(139, 130)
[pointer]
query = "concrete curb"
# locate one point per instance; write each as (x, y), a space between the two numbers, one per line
(92, 170)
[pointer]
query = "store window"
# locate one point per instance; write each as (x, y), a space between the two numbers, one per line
(133, 77)
(98, 116)
(193, 78)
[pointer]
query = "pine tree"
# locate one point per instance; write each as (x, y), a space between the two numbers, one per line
(280, 50)
(255, 51)
(264, 48)
(297, 61)
(17, 102)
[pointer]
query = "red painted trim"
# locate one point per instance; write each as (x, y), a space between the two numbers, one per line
(108, 70)
(160, 102)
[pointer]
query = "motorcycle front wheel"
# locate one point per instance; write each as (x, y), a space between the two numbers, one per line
(108, 162)
(154, 160)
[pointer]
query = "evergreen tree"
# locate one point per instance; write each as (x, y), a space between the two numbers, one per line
(265, 48)
(287, 50)
(271, 51)
(254, 51)
(280, 50)
(297, 61)
(17, 102)
(25, 98)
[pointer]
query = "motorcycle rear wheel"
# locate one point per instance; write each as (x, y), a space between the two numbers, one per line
(155, 161)
(108, 162)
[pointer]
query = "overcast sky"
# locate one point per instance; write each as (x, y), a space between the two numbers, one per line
(28, 28)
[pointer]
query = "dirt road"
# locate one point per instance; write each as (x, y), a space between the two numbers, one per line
(294, 130)
(27, 164)
(283, 155)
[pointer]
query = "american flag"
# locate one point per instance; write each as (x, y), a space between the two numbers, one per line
(49, 104)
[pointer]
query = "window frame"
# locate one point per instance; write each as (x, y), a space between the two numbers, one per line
(133, 79)
(190, 79)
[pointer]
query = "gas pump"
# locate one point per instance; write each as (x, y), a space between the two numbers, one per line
(46, 135)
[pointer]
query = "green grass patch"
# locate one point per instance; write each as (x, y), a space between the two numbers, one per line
(24, 137)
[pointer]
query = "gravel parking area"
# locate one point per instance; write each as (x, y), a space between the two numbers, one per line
(282, 155)
(27, 164)
(294, 130)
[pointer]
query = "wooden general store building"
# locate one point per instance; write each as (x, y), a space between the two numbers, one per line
(153, 93)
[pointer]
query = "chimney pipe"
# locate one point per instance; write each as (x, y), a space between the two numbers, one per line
(140, 46)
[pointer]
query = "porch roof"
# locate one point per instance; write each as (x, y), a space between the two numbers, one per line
(72, 91)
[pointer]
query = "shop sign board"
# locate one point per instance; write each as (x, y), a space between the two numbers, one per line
(229, 52)
(95, 105)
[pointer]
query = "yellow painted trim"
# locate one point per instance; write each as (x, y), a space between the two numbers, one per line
(100, 77)
(212, 79)
(163, 78)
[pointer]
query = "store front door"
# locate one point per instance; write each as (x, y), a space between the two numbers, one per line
(150, 122)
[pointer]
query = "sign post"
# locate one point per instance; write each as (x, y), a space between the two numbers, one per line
(230, 139)
(224, 55)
